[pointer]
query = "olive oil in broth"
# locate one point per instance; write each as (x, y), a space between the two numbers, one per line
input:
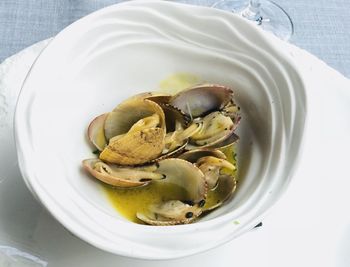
(129, 201)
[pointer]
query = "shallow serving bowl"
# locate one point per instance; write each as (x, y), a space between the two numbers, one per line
(127, 48)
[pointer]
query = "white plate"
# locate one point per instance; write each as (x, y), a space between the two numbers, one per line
(30, 237)
(125, 49)
(293, 227)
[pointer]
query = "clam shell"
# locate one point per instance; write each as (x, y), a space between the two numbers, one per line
(232, 139)
(184, 174)
(202, 99)
(170, 213)
(173, 115)
(158, 97)
(126, 114)
(194, 155)
(225, 188)
(226, 184)
(213, 131)
(175, 120)
(121, 177)
(96, 132)
(135, 148)
(173, 153)
(212, 167)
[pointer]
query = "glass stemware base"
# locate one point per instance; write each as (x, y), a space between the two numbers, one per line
(267, 14)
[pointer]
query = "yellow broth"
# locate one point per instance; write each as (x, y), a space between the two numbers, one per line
(129, 201)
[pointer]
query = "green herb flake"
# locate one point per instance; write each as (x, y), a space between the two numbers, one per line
(236, 222)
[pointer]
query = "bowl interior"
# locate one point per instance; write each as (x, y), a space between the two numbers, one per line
(108, 78)
(97, 62)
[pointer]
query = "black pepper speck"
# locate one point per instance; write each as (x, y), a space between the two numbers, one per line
(201, 203)
(189, 215)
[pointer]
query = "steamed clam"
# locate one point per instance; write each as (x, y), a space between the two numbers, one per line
(135, 131)
(121, 176)
(213, 109)
(177, 211)
(218, 173)
(173, 142)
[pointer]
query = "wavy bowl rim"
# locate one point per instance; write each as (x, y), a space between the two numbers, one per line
(198, 225)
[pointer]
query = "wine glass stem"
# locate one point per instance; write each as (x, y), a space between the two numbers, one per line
(252, 12)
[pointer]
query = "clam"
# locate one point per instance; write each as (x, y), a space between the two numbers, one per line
(170, 212)
(211, 167)
(223, 192)
(185, 207)
(135, 131)
(176, 121)
(215, 127)
(135, 148)
(217, 172)
(202, 99)
(213, 109)
(126, 114)
(121, 176)
(96, 132)
(179, 137)
(193, 155)
(158, 97)
(228, 142)
(174, 118)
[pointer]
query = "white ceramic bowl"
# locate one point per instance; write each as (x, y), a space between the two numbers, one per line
(127, 48)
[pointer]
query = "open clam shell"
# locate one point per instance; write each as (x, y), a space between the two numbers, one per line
(213, 107)
(135, 148)
(202, 99)
(194, 155)
(174, 117)
(223, 191)
(220, 144)
(215, 128)
(221, 187)
(188, 206)
(171, 212)
(136, 142)
(135, 131)
(96, 132)
(120, 176)
(176, 121)
(212, 168)
(232, 139)
(126, 114)
(158, 97)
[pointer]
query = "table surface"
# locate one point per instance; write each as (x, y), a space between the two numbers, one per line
(322, 27)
